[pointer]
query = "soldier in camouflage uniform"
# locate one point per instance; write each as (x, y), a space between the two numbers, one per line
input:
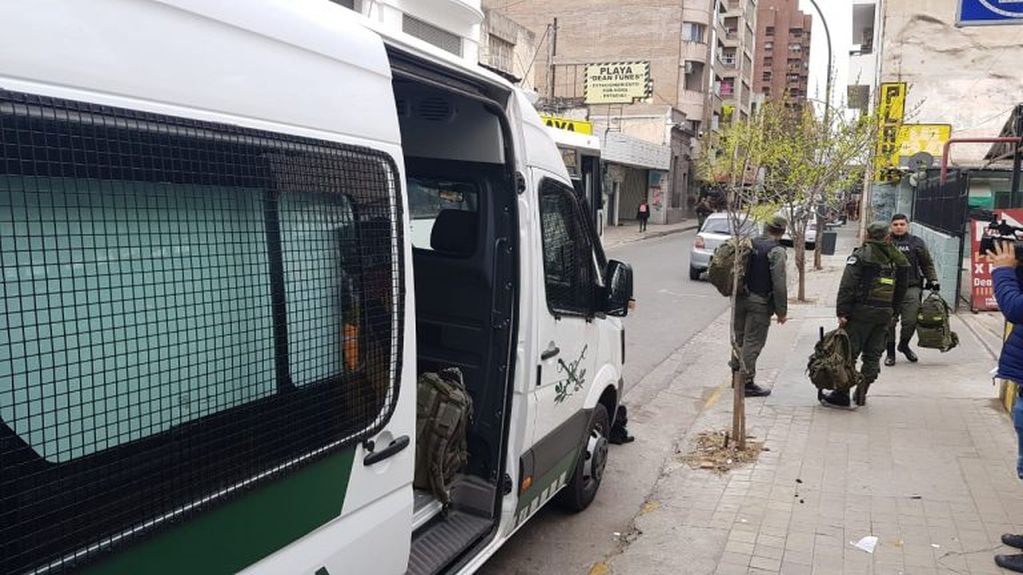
(873, 286)
(922, 275)
(766, 295)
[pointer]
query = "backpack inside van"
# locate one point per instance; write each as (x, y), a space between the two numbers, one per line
(443, 413)
(722, 265)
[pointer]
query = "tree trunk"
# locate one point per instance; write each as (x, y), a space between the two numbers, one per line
(800, 245)
(817, 265)
(738, 410)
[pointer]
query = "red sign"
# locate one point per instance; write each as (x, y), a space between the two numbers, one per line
(982, 287)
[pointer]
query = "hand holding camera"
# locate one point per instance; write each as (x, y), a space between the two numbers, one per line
(1003, 256)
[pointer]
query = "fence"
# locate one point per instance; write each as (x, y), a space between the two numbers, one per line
(940, 219)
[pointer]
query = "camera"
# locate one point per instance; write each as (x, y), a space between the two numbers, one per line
(998, 231)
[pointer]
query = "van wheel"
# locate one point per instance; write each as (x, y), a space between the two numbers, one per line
(694, 273)
(589, 471)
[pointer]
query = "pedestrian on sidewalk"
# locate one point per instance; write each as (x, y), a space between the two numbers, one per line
(703, 209)
(921, 276)
(873, 284)
(1008, 284)
(766, 295)
(642, 214)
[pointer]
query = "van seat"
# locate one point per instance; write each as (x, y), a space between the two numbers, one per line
(454, 233)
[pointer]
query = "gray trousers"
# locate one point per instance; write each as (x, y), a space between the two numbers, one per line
(752, 321)
(908, 310)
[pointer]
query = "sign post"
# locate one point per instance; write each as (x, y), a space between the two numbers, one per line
(987, 12)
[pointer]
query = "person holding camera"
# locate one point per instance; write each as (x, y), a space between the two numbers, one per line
(873, 284)
(922, 275)
(1008, 284)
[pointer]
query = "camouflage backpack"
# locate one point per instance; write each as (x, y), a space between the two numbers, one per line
(443, 413)
(932, 325)
(831, 365)
(722, 265)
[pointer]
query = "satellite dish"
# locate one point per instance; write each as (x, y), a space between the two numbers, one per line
(920, 161)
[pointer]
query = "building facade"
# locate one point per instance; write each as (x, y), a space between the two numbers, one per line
(735, 46)
(783, 51)
(675, 38)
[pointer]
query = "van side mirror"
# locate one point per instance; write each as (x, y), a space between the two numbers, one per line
(619, 289)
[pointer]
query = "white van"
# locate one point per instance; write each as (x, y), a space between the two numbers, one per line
(232, 235)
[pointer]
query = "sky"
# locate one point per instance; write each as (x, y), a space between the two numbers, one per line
(838, 14)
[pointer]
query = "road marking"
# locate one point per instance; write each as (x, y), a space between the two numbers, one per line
(714, 398)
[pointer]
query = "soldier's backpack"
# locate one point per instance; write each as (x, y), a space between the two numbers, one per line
(443, 414)
(722, 265)
(932, 325)
(831, 366)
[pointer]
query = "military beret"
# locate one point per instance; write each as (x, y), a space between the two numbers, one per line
(777, 223)
(877, 231)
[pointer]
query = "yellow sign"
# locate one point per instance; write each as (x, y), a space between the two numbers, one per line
(617, 82)
(891, 110)
(569, 125)
(930, 138)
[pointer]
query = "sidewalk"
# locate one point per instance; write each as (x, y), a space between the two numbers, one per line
(928, 466)
(615, 236)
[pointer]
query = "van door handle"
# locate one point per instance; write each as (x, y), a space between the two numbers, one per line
(394, 448)
(551, 352)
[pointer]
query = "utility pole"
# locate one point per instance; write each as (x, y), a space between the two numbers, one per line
(552, 51)
(1017, 156)
(818, 244)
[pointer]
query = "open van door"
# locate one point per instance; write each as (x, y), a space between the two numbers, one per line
(208, 267)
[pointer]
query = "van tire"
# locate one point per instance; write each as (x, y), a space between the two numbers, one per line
(694, 273)
(582, 488)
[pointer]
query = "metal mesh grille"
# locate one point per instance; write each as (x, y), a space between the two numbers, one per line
(568, 259)
(187, 306)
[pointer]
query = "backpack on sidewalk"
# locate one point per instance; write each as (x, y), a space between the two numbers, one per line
(443, 413)
(831, 366)
(722, 265)
(932, 324)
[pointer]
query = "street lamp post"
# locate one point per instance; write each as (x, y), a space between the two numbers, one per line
(827, 131)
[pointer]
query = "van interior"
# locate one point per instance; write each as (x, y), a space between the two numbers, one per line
(461, 201)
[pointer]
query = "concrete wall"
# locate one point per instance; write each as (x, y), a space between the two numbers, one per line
(968, 77)
(945, 251)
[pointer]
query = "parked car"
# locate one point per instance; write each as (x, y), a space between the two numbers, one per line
(811, 235)
(716, 229)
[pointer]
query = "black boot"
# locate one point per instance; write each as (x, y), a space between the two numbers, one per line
(754, 390)
(1010, 562)
(904, 348)
(889, 360)
(1013, 540)
(619, 433)
(861, 394)
(837, 398)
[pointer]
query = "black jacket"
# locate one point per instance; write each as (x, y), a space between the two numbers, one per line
(921, 266)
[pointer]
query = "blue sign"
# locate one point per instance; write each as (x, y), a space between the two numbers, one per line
(980, 12)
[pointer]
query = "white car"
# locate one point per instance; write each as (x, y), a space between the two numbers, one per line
(811, 235)
(716, 229)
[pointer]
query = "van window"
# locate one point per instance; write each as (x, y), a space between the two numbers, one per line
(568, 257)
(190, 308)
(429, 196)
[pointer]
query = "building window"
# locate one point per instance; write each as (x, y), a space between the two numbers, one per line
(767, 76)
(694, 32)
(768, 62)
(694, 76)
(768, 45)
(796, 47)
(795, 32)
(350, 4)
(429, 33)
(727, 88)
(769, 31)
(500, 53)
(694, 126)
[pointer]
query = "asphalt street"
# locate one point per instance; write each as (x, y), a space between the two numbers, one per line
(670, 311)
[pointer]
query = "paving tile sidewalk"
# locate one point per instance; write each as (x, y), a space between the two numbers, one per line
(928, 467)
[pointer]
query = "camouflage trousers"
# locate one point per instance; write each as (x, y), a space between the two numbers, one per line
(907, 316)
(752, 321)
(867, 338)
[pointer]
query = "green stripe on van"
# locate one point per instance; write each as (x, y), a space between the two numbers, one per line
(243, 531)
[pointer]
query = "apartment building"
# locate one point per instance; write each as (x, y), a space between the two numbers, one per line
(783, 51)
(734, 49)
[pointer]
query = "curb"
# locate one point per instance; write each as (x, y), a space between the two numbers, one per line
(651, 235)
